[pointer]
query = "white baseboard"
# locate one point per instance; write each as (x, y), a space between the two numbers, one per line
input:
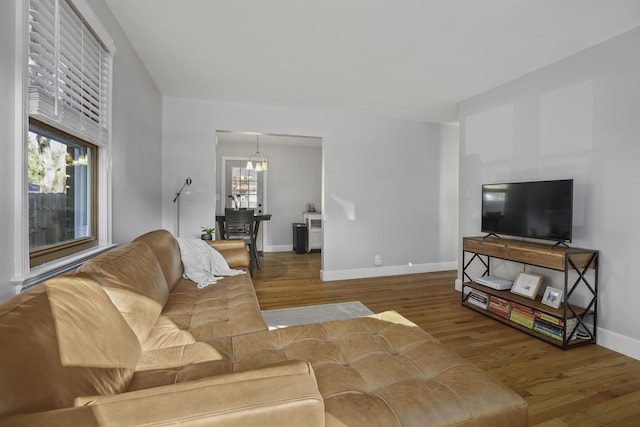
(620, 343)
(278, 248)
(394, 270)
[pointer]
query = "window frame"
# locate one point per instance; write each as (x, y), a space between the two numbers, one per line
(52, 252)
(25, 275)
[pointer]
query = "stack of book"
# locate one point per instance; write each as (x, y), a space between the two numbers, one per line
(499, 306)
(552, 326)
(479, 299)
(522, 315)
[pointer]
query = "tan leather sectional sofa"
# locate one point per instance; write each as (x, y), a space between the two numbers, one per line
(127, 341)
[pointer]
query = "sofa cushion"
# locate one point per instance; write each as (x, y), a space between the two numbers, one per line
(140, 312)
(60, 340)
(165, 334)
(387, 369)
(133, 267)
(229, 307)
(171, 365)
(166, 249)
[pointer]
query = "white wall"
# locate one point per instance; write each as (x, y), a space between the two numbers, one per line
(381, 178)
(294, 179)
(137, 139)
(7, 147)
(137, 165)
(578, 118)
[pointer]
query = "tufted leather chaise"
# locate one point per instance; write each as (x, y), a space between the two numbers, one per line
(127, 341)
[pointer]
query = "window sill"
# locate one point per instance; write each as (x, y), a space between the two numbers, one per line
(51, 269)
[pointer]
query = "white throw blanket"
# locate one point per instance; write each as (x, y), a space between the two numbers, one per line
(202, 263)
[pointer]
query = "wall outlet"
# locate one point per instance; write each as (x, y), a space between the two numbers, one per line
(377, 260)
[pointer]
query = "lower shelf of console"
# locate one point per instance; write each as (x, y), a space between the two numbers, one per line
(535, 306)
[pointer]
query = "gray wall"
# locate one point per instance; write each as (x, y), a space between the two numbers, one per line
(7, 146)
(381, 180)
(578, 118)
(136, 144)
(136, 141)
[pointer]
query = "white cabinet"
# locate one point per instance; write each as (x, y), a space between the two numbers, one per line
(314, 228)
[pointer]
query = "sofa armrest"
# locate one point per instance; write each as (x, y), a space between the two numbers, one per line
(279, 395)
(67, 417)
(234, 251)
(285, 394)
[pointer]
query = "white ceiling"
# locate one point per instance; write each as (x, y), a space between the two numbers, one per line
(404, 59)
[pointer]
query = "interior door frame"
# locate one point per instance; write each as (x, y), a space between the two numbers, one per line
(264, 225)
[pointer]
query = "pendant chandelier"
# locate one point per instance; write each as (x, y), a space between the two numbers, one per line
(257, 161)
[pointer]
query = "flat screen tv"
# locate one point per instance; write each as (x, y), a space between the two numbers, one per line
(536, 210)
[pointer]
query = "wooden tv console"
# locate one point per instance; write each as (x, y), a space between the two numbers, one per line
(569, 325)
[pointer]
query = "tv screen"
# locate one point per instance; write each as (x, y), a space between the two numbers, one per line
(537, 210)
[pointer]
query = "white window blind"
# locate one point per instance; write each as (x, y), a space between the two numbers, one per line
(69, 71)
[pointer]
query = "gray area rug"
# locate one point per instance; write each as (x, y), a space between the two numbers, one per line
(282, 318)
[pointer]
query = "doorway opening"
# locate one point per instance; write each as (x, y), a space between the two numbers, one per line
(293, 181)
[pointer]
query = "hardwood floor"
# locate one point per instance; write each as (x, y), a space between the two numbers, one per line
(584, 386)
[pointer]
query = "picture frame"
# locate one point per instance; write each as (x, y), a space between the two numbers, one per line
(527, 285)
(552, 297)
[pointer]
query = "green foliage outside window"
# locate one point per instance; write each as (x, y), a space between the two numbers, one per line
(47, 161)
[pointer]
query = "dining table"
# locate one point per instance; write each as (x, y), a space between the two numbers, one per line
(257, 219)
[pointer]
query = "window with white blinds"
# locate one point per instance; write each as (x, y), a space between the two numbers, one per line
(69, 71)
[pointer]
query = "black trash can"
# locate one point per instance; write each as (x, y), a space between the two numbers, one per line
(300, 234)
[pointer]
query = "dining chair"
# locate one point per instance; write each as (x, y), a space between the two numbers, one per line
(239, 226)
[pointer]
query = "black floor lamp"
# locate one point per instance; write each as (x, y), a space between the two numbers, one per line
(176, 199)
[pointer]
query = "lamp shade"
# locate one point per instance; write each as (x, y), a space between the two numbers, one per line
(257, 162)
